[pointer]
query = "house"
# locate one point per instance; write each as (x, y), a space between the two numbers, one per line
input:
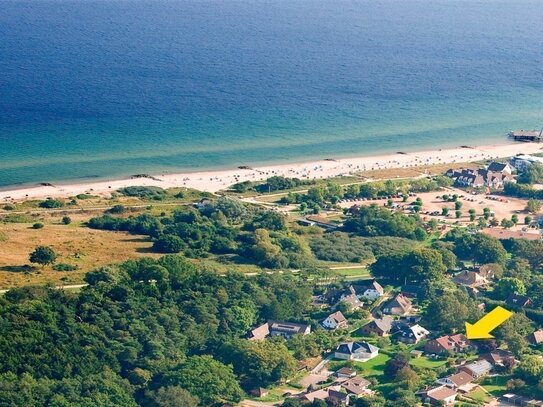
(466, 177)
(411, 334)
(498, 357)
(519, 301)
(457, 381)
(446, 344)
(321, 394)
(523, 161)
(399, 305)
(370, 291)
(352, 301)
(356, 386)
(260, 332)
(335, 321)
(346, 373)
(260, 392)
(487, 271)
(504, 168)
(330, 394)
(471, 279)
(477, 369)
(516, 400)
(359, 351)
(535, 338)
(337, 398)
(379, 327)
(279, 328)
(438, 396)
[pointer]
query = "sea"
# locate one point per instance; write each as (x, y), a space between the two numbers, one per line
(102, 89)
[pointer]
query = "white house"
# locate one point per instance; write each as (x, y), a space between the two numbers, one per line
(358, 351)
(370, 291)
(335, 321)
(459, 381)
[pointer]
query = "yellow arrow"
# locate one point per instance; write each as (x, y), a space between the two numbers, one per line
(481, 329)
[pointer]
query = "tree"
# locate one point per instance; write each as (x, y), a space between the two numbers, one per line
(206, 378)
(171, 396)
(66, 220)
(530, 369)
(449, 310)
(37, 225)
(507, 224)
(168, 244)
(471, 215)
(507, 286)
(486, 213)
(531, 174)
(514, 219)
(259, 363)
(457, 214)
(409, 377)
(458, 205)
(533, 206)
(396, 364)
(444, 211)
(43, 255)
(527, 220)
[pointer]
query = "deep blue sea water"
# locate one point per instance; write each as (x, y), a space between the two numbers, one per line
(102, 88)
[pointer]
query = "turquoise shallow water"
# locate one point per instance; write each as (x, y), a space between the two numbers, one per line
(97, 89)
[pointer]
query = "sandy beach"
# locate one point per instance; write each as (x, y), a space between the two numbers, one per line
(213, 181)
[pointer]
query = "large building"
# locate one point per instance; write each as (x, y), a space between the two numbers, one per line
(523, 161)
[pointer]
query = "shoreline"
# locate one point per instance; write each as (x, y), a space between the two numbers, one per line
(216, 180)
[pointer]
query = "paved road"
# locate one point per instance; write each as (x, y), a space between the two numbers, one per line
(59, 287)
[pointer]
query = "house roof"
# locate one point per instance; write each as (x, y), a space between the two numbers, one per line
(260, 332)
(373, 285)
(338, 317)
(346, 371)
(356, 385)
(287, 327)
(460, 378)
(352, 300)
(384, 324)
(450, 341)
(400, 301)
(536, 337)
(518, 300)
(479, 367)
(497, 167)
(349, 348)
(441, 393)
(469, 278)
(416, 332)
(497, 356)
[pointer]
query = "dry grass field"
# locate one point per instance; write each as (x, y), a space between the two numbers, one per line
(76, 245)
(393, 173)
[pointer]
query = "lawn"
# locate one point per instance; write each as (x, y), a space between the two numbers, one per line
(425, 362)
(496, 385)
(361, 272)
(478, 395)
(374, 367)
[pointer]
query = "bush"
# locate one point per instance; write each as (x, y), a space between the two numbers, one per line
(143, 192)
(37, 225)
(66, 220)
(64, 267)
(9, 207)
(117, 209)
(51, 203)
(168, 244)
